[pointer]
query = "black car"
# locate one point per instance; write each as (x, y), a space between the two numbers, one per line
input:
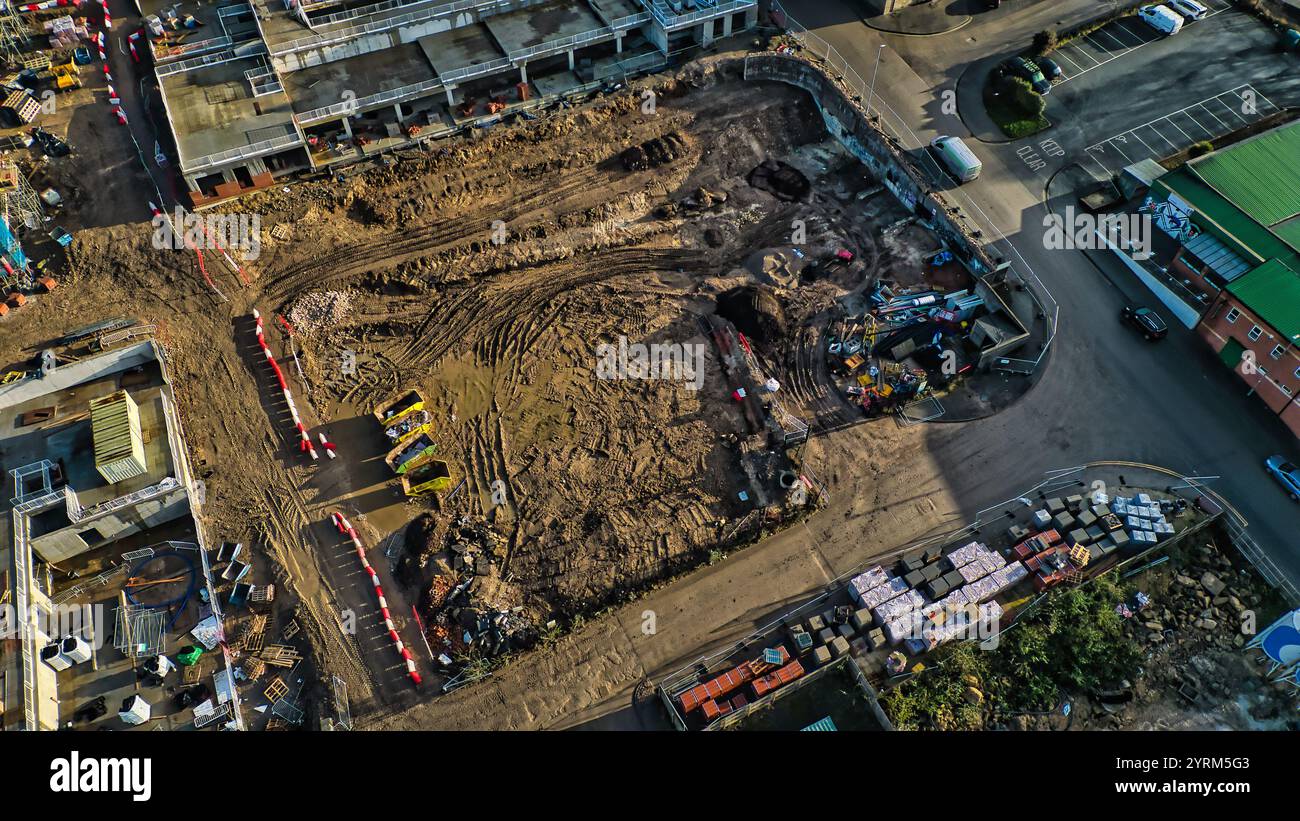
(1028, 71)
(1050, 68)
(1150, 323)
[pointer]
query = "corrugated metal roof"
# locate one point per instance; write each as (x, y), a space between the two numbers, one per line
(1272, 291)
(115, 430)
(1218, 257)
(1217, 215)
(1261, 176)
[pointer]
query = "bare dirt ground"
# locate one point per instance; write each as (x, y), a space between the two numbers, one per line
(607, 485)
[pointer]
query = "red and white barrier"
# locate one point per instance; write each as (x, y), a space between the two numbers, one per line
(108, 19)
(344, 526)
(157, 212)
(305, 444)
(328, 446)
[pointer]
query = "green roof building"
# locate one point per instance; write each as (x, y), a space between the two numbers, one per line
(1236, 216)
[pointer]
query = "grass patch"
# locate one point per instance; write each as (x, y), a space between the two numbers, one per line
(1011, 111)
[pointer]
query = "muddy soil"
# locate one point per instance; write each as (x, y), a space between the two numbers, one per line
(487, 272)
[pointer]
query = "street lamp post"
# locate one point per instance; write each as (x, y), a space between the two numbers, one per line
(871, 99)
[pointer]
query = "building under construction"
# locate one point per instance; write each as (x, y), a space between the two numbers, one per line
(254, 92)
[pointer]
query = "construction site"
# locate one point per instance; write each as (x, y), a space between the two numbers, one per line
(444, 407)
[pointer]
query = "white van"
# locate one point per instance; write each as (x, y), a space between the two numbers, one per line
(961, 161)
(1190, 9)
(1161, 19)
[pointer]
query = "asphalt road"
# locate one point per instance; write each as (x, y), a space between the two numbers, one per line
(1106, 394)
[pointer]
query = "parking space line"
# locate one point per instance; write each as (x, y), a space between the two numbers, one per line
(1137, 137)
(1230, 109)
(1061, 53)
(1215, 116)
(1199, 124)
(1162, 136)
(1095, 61)
(1122, 44)
(1141, 41)
(1180, 128)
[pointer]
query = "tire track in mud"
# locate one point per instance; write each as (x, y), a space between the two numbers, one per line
(397, 244)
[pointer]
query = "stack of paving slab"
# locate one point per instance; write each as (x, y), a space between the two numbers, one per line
(1143, 519)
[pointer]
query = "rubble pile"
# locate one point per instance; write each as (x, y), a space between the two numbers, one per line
(320, 310)
(459, 621)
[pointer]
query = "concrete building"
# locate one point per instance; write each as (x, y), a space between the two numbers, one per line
(97, 465)
(1235, 214)
(257, 91)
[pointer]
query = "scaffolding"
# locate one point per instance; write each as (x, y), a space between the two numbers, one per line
(21, 211)
(14, 33)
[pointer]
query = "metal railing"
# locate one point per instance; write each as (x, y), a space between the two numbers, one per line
(225, 56)
(263, 81)
(666, 17)
(467, 72)
(244, 152)
(22, 581)
(40, 502)
(349, 107)
(166, 54)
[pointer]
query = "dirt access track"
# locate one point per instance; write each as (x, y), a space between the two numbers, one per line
(486, 272)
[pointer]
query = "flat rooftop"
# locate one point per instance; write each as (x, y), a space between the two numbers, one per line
(367, 74)
(65, 439)
(458, 48)
(609, 10)
(542, 24)
(213, 110)
(280, 26)
(206, 14)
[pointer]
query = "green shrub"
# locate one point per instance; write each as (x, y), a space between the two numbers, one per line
(1200, 149)
(1044, 42)
(1022, 99)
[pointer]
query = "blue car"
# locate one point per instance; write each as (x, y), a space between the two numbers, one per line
(1286, 473)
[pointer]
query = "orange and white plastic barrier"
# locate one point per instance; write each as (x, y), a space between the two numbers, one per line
(304, 444)
(344, 526)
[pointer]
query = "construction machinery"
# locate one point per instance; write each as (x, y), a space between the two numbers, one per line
(430, 476)
(66, 76)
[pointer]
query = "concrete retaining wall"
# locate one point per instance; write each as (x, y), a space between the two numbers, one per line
(846, 120)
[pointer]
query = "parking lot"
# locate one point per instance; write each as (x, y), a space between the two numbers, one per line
(1162, 136)
(1114, 41)
(1158, 95)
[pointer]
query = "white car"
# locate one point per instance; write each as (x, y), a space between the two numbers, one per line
(1161, 19)
(1190, 9)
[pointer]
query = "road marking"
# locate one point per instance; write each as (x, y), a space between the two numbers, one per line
(1230, 109)
(1110, 56)
(1121, 145)
(1063, 55)
(1215, 116)
(1162, 136)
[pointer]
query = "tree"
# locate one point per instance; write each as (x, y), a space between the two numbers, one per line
(1022, 98)
(1045, 42)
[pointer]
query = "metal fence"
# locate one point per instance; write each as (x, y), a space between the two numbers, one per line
(901, 133)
